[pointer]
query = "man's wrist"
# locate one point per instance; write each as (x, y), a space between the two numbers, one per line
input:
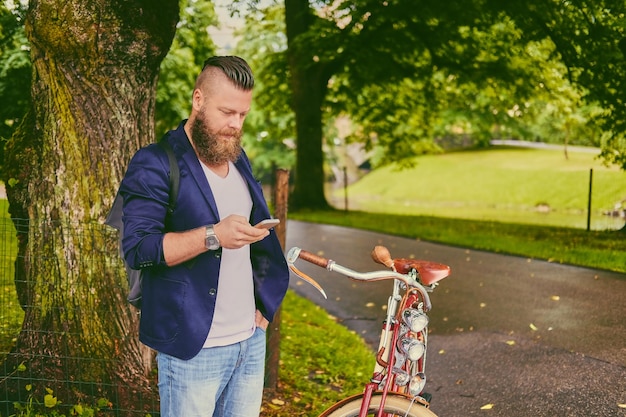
(211, 241)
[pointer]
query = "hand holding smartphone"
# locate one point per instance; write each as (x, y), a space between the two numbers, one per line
(267, 223)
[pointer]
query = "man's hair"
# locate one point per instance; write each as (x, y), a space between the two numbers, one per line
(235, 68)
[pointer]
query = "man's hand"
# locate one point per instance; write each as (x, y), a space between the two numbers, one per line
(261, 321)
(235, 231)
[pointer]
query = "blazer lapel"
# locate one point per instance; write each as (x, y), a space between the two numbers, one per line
(193, 163)
(243, 165)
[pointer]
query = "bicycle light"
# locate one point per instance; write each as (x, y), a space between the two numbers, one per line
(413, 348)
(415, 319)
(402, 377)
(416, 386)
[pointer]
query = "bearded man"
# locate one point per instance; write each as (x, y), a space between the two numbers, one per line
(211, 281)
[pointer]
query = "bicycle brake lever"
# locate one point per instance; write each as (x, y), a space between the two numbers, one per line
(292, 256)
(308, 279)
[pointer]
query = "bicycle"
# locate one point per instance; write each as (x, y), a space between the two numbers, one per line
(396, 387)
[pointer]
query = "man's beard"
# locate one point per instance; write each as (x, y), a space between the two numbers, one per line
(212, 147)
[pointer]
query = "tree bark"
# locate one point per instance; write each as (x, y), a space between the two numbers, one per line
(95, 69)
(309, 82)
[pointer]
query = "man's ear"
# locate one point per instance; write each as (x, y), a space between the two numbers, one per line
(197, 99)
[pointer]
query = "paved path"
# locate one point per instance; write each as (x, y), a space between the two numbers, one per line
(532, 338)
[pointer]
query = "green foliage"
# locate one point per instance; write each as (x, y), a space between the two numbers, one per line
(270, 126)
(192, 45)
(589, 41)
(50, 406)
(514, 90)
(15, 69)
(406, 76)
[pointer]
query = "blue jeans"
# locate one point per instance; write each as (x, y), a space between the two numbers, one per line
(220, 381)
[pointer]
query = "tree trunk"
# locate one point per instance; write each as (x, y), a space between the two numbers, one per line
(95, 68)
(308, 85)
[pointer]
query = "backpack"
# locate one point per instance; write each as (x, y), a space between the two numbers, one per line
(114, 219)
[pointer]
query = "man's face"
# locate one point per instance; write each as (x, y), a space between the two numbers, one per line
(216, 130)
(215, 146)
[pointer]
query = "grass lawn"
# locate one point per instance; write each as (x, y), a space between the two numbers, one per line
(321, 362)
(11, 314)
(594, 249)
(510, 185)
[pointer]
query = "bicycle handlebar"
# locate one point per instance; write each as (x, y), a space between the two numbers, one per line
(295, 253)
(329, 264)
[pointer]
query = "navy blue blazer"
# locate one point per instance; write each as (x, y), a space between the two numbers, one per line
(178, 302)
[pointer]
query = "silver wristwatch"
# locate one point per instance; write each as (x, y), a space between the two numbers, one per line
(211, 241)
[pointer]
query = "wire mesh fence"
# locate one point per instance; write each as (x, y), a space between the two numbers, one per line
(68, 339)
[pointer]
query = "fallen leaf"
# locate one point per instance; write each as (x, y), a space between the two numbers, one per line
(442, 352)
(483, 305)
(370, 305)
(276, 401)
(510, 342)
(487, 407)
(533, 327)
(621, 405)
(50, 401)
(555, 298)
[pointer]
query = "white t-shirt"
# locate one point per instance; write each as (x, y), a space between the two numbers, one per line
(233, 320)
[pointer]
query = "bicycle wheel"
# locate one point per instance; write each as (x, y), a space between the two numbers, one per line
(395, 405)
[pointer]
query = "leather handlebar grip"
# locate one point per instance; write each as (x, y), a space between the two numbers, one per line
(313, 258)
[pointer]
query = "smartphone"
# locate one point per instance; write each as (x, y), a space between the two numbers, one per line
(267, 223)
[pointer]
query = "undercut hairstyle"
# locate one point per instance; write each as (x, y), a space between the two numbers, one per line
(235, 68)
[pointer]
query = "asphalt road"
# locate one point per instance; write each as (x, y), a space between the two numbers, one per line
(518, 336)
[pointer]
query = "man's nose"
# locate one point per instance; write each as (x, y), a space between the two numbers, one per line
(236, 121)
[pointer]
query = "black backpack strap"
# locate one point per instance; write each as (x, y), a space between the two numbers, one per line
(174, 174)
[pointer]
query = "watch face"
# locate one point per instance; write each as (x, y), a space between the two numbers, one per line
(211, 242)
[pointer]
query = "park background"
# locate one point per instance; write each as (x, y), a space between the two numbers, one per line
(337, 103)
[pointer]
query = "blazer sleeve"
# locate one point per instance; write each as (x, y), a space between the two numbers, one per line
(145, 189)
